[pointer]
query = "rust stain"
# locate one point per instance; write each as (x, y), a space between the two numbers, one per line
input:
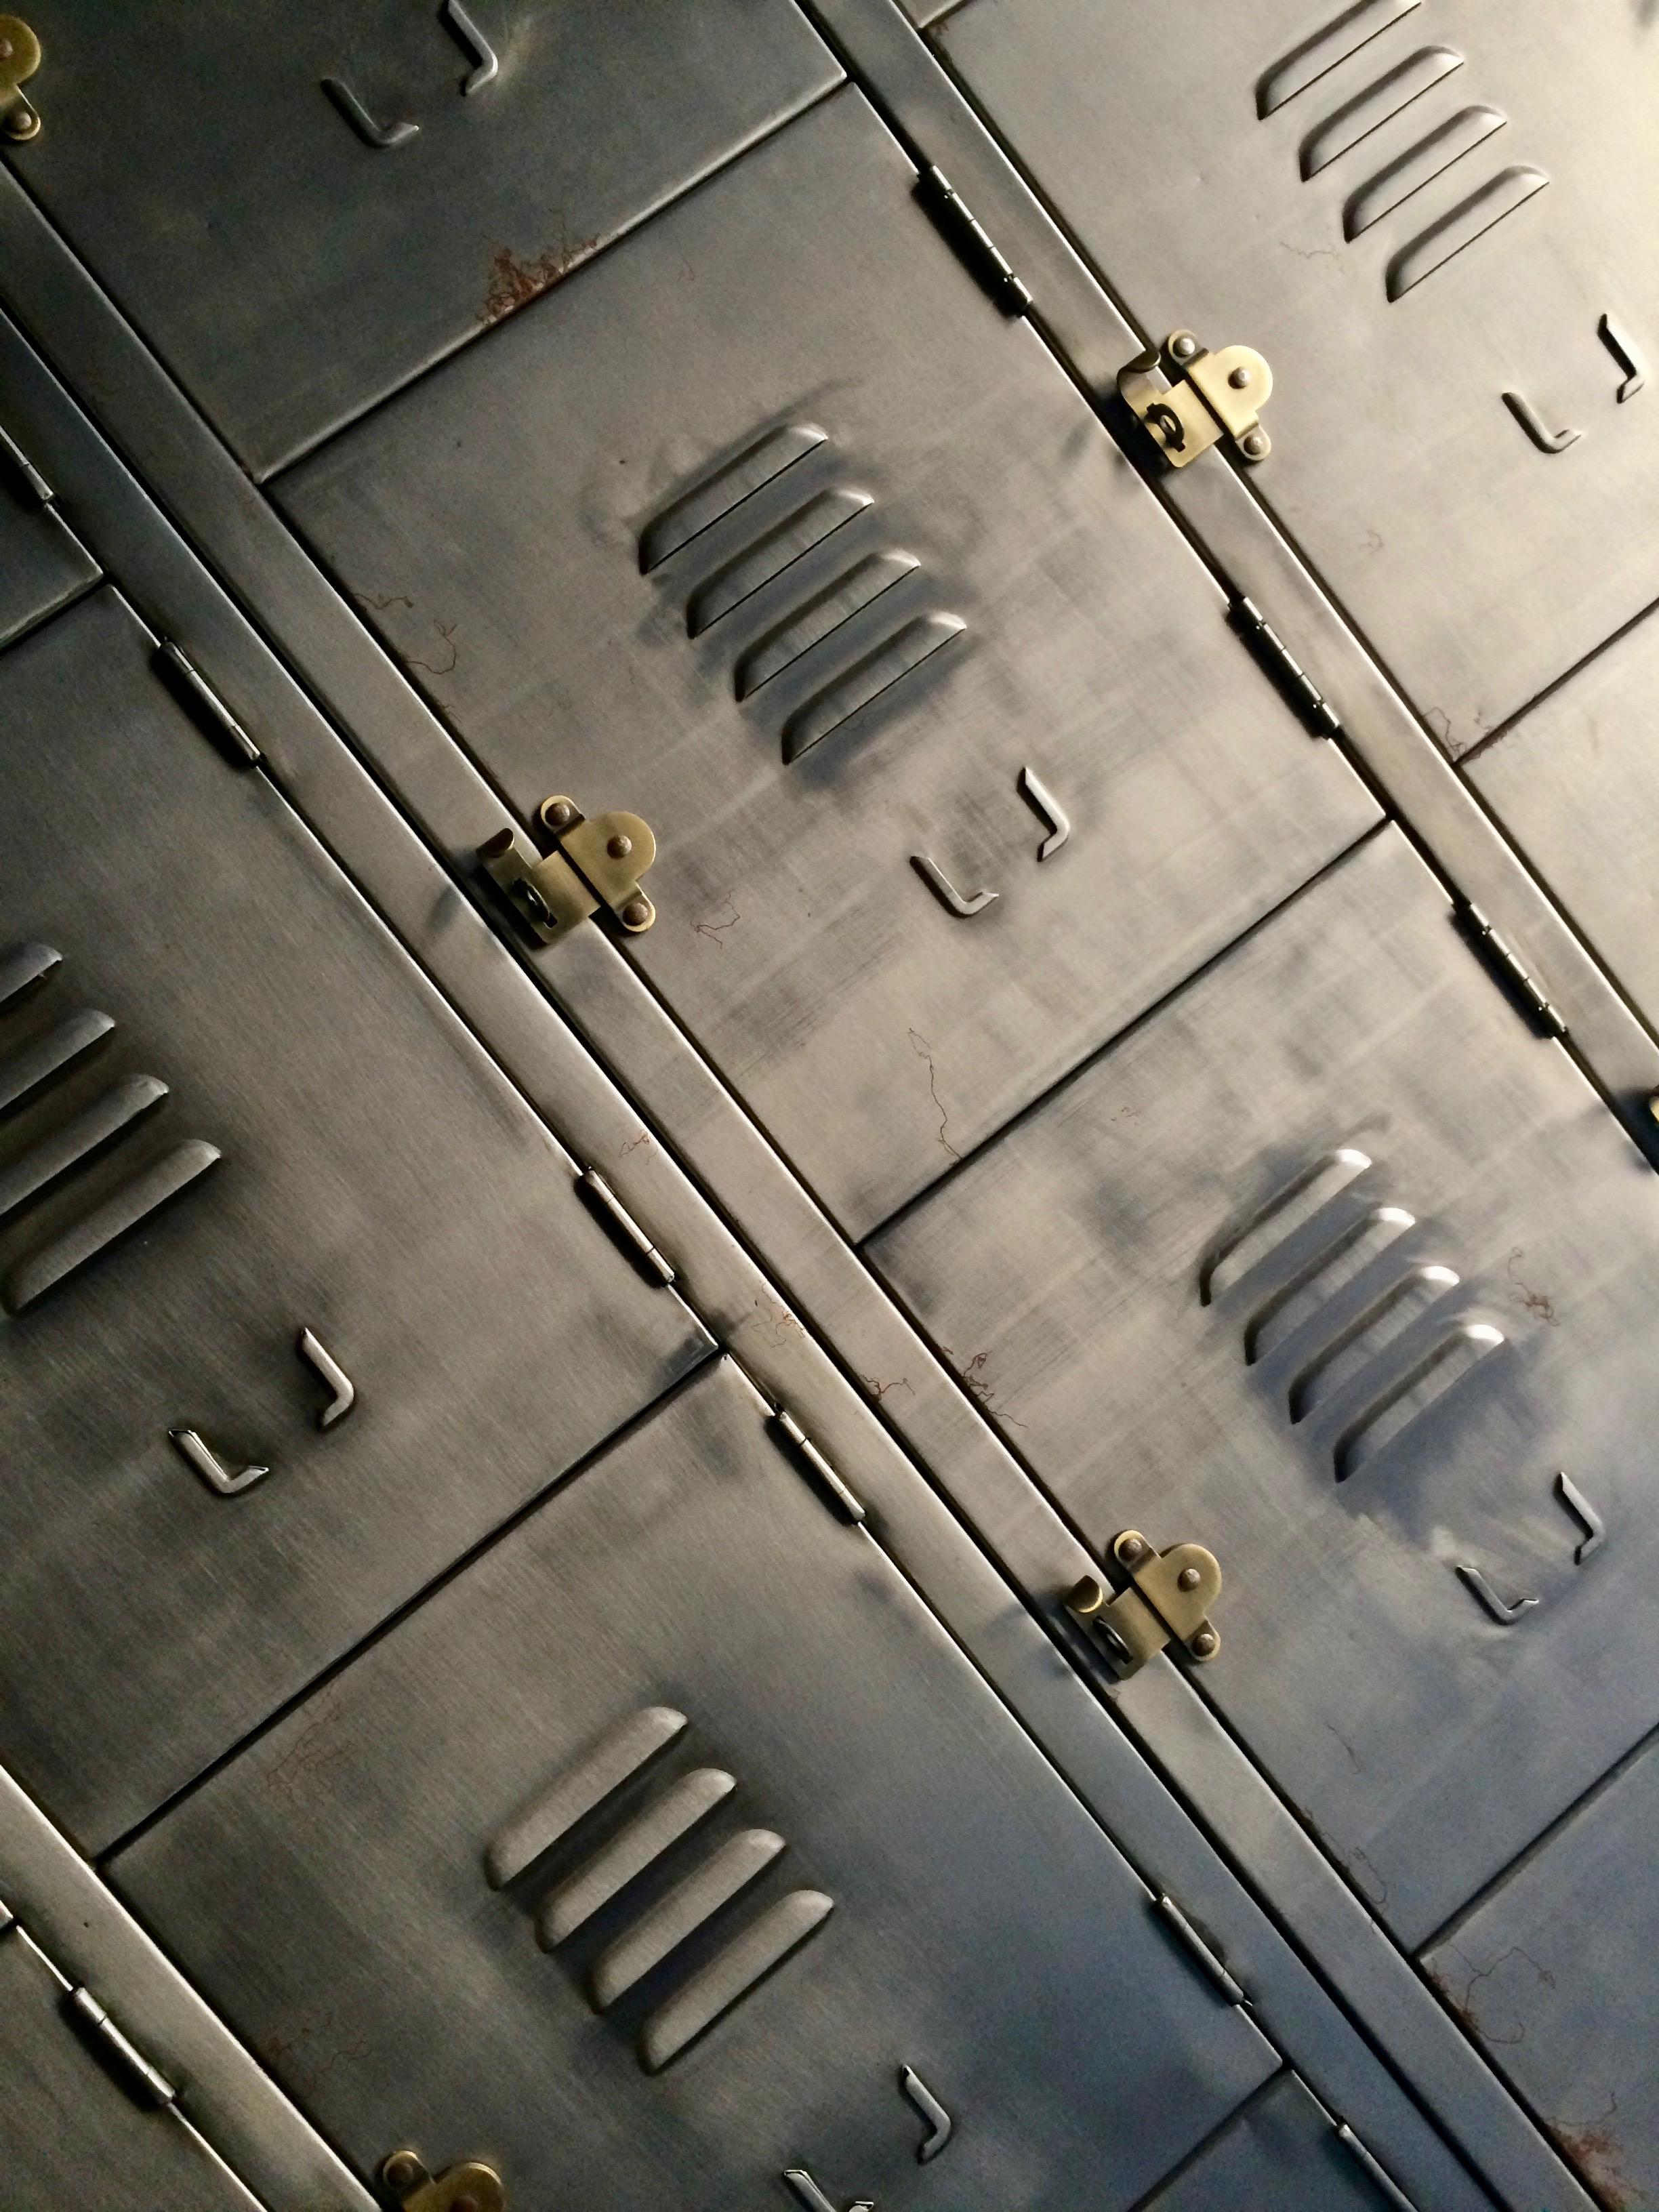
(1464, 2007)
(975, 1381)
(777, 1320)
(1535, 1301)
(514, 283)
(1598, 2155)
(923, 1050)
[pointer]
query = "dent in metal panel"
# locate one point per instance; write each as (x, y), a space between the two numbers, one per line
(1556, 1975)
(1053, 621)
(1425, 1743)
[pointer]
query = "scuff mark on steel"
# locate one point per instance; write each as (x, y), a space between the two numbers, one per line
(447, 632)
(923, 1050)
(715, 931)
(1535, 1302)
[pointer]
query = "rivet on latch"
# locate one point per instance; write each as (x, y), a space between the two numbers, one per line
(1205, 397)
(469, 2187)
(1172, 1593)
(595, 863)
(20, 57)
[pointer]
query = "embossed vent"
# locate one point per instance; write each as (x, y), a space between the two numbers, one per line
(816, 548)
(57, 1124)
(1380, 128)
(654, 1831)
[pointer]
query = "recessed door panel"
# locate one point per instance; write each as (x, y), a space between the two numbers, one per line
(298, 1299)
(42, 564)
(673, 1846)
(1554, 1975)
(70, 2134)
(1574, 783)
(773, 530)
(1284, 2152)
(1431, 216)
(1330, 1266)
(300, 206)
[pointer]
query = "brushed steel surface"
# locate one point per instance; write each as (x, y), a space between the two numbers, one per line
(1423, 1741)
(42, 564)
(1458, 547)
(1553, 1973)
(352, 1935)
(378, 1182)
(70, 2134)
(488, 525)
(1281, 2151)
(291, 273)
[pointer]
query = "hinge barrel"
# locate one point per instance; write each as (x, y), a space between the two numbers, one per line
(849, 1506)
(1511, 968)
(1291, 678)
(23, 469)
(972, 241)
(1233, 1991)
(623, 1222)
(151, 2084)
(1386, 2187)
(197, 694)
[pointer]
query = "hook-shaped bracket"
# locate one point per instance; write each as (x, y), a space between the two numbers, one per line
(312, 1349)
(1623, 349)
(472, 41)
(1583, 1512)
(940, 2125)
(1505, 1615)
(200, 1454)
(813, 2197)
(1546, 440)
(381, 135)
(946, 891)
(1049, 809)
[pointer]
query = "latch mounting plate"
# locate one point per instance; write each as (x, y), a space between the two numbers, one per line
(472, 2186)
(1201, 398)
(1170, 1597)
(593, 863)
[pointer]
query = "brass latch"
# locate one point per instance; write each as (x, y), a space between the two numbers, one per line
(1171, 1596)
(469, 2187)
(20, 57)
(593, 864)
(1208, 396)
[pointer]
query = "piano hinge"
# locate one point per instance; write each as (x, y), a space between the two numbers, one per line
(1292, 680)
(845, 1503)
(1208, 1959)
(147, 2081)
(627, 1231)
(1509, 968)
(593, 864)
(1170, 1596)
(1386, 2186)
(971, 242)
(19, 466)
(193, 691)
(1187, 399)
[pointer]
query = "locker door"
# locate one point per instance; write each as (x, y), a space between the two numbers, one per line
(771, 529)
(297, 1301)
(1430, 216)
(303, 206)
(1330, 1266)
(672, 1850)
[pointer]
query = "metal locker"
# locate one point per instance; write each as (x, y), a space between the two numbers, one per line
(43, 565)
(79, 2125)
(1553, 1973)
(771, 528)
(1430, 216)
(1573, 783)
(507, 1887)
(1330, 1266)
(303, 206)
(299, 1300)
(1282, 2152)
